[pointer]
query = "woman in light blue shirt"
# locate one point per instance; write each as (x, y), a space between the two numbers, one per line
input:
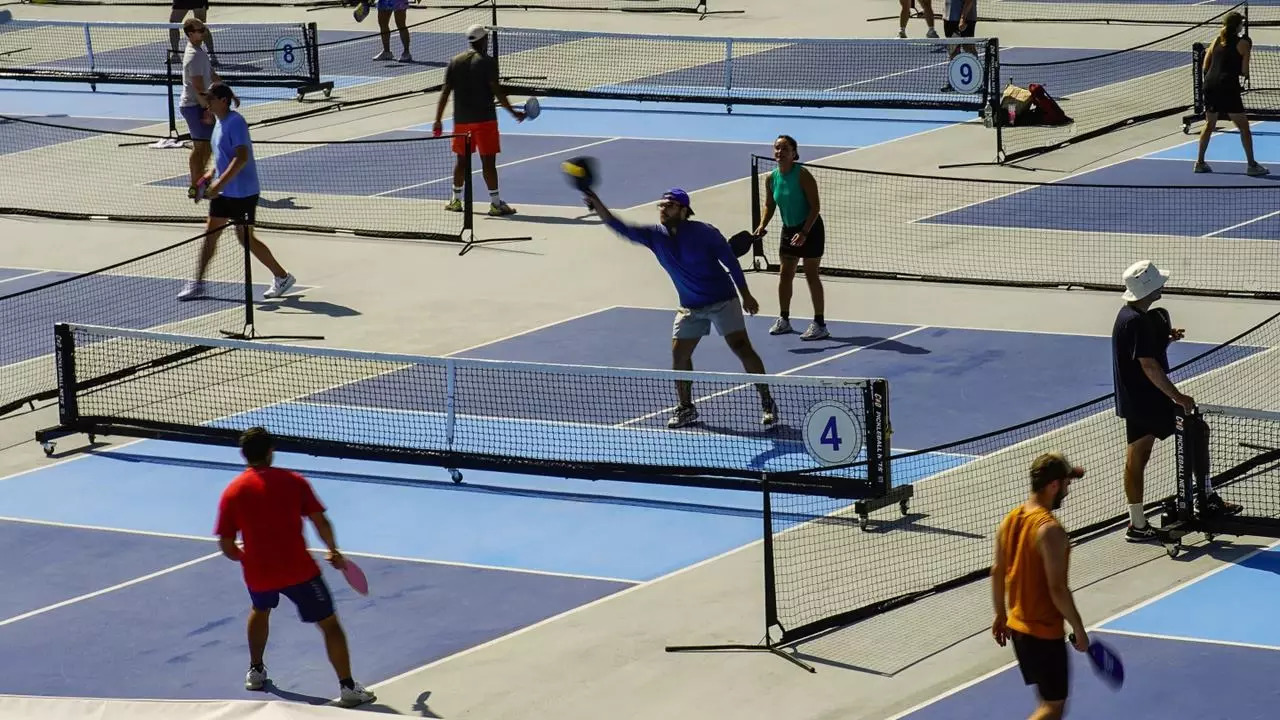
(232, 189)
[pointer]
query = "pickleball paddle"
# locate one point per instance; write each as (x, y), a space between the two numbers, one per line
(741, 242)
(1106, 663)
(355, 576)
(532, 108)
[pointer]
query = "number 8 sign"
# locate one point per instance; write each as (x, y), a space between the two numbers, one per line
(833, 433)
(290, 55)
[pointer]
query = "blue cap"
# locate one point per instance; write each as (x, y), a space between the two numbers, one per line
(678, 196)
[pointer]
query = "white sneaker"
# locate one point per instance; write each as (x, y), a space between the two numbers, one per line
(191, 291)
(815, 332)
(406, 57)
(384, 55)
(780, 326)
(255, 679)
(355, 695)
(279, 286)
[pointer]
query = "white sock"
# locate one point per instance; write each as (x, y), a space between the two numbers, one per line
(1136, 516)
(494, 199)
(457, 193)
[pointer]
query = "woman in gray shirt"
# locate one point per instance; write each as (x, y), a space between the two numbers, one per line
(197, 77)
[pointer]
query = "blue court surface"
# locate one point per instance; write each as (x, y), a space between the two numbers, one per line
(109, 532)
(1217, 204)
(1217, 633)
(102, 299)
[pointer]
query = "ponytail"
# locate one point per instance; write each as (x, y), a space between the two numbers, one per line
(1230, 32)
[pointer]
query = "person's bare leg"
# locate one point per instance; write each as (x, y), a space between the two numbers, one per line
(261, 251)
(814, 281)
(1206, 132)
(213, 230)
(786, 278)
(403, 26)
(259, 628)
(1241, 122)
(335, 644)
(682, 359)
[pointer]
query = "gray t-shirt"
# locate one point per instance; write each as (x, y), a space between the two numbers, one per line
(954, 8)
(195, 63)
(470, 75)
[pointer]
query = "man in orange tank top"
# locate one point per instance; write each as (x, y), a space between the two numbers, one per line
(1029, 586)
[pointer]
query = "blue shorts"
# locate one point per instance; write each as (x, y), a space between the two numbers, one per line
(194, 115)
(391, 5)
(312, 598)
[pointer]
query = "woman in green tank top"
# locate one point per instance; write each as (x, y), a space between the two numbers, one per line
(791, 191)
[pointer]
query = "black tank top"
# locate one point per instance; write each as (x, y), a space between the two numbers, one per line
(1224, 68)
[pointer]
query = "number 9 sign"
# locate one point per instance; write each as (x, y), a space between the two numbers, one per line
(832, 433)
(965, 73)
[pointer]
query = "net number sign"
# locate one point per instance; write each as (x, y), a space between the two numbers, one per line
(965, 73)
(833, 433)
(290, 54)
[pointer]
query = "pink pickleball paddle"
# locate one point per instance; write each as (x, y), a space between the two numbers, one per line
(355, 576)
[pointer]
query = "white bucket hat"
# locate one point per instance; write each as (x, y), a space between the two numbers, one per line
(1143, 278)
(475, 32)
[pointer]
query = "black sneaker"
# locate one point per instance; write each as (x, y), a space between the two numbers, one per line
(769, 414)
(1141, 534)
(1215, 505)
(684, 415)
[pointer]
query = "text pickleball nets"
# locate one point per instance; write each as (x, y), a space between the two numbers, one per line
(581, 172)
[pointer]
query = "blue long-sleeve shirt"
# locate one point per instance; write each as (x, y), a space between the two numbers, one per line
(699, 260)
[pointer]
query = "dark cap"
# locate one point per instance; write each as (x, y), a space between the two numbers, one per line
(1052, 466)
(679, 197)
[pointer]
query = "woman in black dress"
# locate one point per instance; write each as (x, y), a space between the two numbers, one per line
(1225, 62)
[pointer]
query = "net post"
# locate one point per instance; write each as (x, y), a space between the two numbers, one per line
(770, 598)
(169, 83)
(313, 53)
(64, 347)
(468, 209)
(995, 94)
(250, 332)
(1197, 88)
(757, 246)
(728, 74)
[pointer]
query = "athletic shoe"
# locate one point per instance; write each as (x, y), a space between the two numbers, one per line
(684, 415)
(255, 679)
(1140, 534)
(192, 290)
(815, 332)
(1202, 167)
(455, 205)
(770, 414)
(406, 57)
(499, 209)
(1215, 505)
(781, 326)
(384, 55)
(355, 695)
(1256, 170)
(279, 286)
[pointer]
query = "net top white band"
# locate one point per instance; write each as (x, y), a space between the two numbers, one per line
(34, 23)
(1248, 413)
(471, 363)
(870, 42)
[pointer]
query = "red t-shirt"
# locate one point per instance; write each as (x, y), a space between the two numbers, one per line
(266, 506)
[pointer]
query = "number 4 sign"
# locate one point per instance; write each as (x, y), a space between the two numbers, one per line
(833, 433)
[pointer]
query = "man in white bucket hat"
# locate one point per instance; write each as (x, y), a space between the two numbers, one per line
(1146, 398)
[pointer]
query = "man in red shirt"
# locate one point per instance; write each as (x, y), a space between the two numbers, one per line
(265, 505)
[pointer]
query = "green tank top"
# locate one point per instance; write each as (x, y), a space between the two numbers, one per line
(789, 196)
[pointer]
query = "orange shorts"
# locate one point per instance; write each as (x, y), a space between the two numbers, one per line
(484, 138)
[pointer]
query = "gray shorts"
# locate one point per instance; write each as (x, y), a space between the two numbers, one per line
(696, 322)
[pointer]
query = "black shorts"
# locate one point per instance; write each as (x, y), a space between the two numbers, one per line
(190, 4)
(1160, 424)
(1043, 664)
(814, 243)
(242, 209)
(312, 598)
(951, 28)
(1223, 99)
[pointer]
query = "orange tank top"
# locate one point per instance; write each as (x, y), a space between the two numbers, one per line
(1031, 610)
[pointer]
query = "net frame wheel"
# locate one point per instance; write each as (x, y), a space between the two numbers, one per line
(455, 475)
(904, 506)
(1173, 548)
(863, 522)
(49, 447)
(1209, 537)
(328, 92)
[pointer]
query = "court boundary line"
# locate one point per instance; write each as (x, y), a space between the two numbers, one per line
(103, 591)
(846, 153)
(32, 273)
(352, 553)
(830, 319)
(499, 167)
(1183, 638)
(1097, 627)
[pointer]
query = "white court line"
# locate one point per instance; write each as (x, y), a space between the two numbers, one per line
(1240, 225)
(502, 165)
(19, 277)
(1097, 627)
(104, 591)
(788, 371)
(1184, 638)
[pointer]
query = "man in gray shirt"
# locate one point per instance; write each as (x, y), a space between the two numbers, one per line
(472, 78)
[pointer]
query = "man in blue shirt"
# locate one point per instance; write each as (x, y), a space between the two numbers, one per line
(232, 188)
(708, 281)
